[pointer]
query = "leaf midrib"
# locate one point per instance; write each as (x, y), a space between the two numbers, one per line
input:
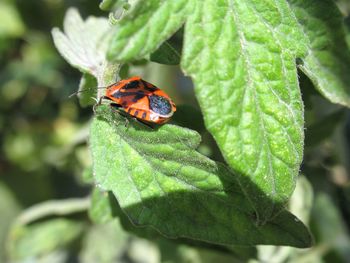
(287, 84)
(250, 84)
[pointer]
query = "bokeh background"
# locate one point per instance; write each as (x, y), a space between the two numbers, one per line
(44, 153)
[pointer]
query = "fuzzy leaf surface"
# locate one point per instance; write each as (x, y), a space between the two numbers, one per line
(83, 43)
(242, 63)
(327, 61)
(148, 24)
(160, 180)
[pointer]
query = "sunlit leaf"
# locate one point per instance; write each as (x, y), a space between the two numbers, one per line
(147, 25)
(161, 181)
(243, 67)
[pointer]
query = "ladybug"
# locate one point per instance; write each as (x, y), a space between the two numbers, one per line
(141, 100)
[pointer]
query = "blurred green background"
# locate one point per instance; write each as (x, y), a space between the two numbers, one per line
(44, 155)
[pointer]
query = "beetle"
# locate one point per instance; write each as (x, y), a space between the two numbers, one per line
(141, 99)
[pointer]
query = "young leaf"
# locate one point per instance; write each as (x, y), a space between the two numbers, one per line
(243, 67)
(160, 181)
(327, 61)
(83, 43)
(147, 25)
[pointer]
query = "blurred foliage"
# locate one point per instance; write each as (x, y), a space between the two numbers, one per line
(44, 156)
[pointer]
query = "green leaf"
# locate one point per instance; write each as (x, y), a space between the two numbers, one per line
(147, 25)
(166, 54)
(300, 204)
(87, 90)
(36, 240)
(326, 214)
(101, 209)
(327, 61)
(242, 63)
(104, 243)
(83, 43)
(323, 128)
(160, 181)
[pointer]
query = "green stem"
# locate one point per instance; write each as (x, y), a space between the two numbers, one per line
(54, 207)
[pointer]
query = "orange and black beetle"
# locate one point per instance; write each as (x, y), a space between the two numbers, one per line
(141, 100)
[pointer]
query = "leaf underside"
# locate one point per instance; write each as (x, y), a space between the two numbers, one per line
(160, 180)
(327, 61)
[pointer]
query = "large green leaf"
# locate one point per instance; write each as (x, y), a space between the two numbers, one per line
(327, 61)
(147, 25)
(243, 67)
(160, 180)
(241, 56)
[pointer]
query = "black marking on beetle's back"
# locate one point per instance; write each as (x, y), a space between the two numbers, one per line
(124, 104)
(144, 114)
(136, 113)
(132, 85)
(159, 105)
(138, 96)
(115, 105)
(129, 110)
(149, 86)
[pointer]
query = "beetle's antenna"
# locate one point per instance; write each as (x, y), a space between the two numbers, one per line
(79, 91)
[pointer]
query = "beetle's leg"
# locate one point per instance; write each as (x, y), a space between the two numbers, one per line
(99, 102)
(116, 108)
